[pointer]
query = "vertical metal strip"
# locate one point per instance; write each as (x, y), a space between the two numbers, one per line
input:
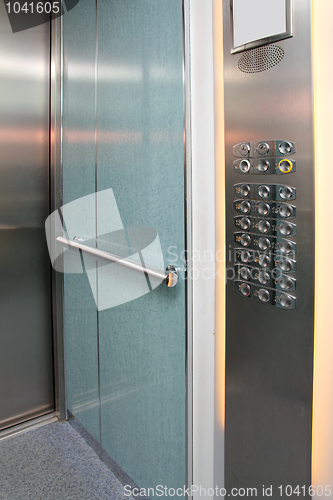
(96, 226)
(57, 279)
(202, 242)
(188, 240)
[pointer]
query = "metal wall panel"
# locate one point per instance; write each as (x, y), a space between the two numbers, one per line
(269, 351)
(26, 364)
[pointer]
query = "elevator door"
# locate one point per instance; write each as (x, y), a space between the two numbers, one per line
(26, 366)
(123, 122)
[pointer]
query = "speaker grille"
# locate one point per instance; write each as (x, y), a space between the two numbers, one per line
(261, 59)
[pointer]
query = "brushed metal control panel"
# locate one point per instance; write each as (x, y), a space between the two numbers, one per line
(270, 243)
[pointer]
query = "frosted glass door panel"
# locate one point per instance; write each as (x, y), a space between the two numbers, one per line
(123, 144)
(140, 156)
(80, 314)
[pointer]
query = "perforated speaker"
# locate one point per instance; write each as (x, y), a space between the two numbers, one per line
(260, 59)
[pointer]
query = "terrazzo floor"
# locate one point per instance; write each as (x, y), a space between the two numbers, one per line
(53, 462)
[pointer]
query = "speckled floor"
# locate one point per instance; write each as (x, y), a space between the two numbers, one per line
(53, 462)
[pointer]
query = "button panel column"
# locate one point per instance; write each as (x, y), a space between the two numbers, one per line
(265, 256)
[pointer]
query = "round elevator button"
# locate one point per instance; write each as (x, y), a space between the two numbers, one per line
(245, 289)
(245, 166)
(244, 149)
(264, 260)
(264, 191)
(263, 277)
(263, 165)
(264, 208)
(245, 223)
(245, 207)
(285, 166)
(245, 189)
(245, 256)
(263, 295)
(285, 211)
(263, 148)
(264, 243)
(245, 273)
(264, 226)
(286, 301)
(245, 240)
(286, 283)
(285, 229)
(286, 265)
(286, 246)
(286, 193)
(285, 148)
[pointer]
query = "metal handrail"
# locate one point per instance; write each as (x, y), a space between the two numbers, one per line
(169, 277)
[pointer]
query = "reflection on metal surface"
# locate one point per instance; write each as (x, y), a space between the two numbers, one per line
(116, 73)
(26, 367)
(269, 349)
(171, 278)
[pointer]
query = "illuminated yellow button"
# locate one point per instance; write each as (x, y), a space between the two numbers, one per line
(285, 166)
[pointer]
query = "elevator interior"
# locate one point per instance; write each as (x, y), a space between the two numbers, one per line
(125, 366)
(269, 117)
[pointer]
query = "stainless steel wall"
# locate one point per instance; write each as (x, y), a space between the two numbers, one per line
(26, 360)
(269, 351)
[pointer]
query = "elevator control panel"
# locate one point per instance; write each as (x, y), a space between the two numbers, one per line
(265, 221)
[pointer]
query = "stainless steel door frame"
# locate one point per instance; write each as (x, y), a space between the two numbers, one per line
(188, 238)
(27, 385)
(57, 281)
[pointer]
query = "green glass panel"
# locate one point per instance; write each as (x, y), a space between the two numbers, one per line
(80, 314)
(140, 155)
(133, 380)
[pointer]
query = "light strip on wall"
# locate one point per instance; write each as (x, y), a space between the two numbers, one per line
(322, 437)
(220, 214)
(220, 330)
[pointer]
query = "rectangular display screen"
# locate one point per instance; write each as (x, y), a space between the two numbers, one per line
(256, 22)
